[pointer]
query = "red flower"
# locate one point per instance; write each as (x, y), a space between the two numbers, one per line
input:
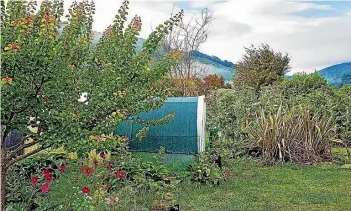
(34, 180)
(48, 177)
(96, 163)
(85, 190)
(46, 171)
(123, 175)
(109, 165)
(118, 174)
(45, 187)
(88, 171)
(62, 167)
(82, 168)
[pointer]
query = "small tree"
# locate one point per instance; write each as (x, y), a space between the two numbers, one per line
(260, 67)
(212, 82)
(186, 86)
(44, 72)
(188, 37)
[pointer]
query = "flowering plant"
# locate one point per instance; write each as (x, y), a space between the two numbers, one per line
(88, 183)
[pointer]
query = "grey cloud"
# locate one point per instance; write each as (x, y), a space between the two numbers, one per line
(229, 28)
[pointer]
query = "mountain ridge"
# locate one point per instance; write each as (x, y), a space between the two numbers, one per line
(337, 75)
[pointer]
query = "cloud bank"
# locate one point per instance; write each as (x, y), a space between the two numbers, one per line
(313, 41)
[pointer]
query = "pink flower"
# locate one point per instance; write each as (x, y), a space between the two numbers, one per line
(34, 180)
(45, 187)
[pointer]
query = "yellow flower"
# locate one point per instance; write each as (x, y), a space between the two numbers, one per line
(92, 154)
(72, 155)
(98, 138)
(6, 80)
(29, 149)
(60, 150)
(99, 194)
(33, 129)
(108, 156)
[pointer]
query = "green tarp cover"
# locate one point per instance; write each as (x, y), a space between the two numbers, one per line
(179, 136)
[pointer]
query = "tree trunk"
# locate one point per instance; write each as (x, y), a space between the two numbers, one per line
(3, 185)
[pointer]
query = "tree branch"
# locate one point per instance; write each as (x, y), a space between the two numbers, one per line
(21, 147)
(11, 162)
(98, 120)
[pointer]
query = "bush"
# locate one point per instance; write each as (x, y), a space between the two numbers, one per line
(301, 84)
(205, 171)
(230, 112)
(341, 105)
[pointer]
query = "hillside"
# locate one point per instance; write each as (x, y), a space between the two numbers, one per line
(335, 75)
(213, 64)
(338, 74)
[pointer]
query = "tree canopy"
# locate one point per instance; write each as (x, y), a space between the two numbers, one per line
(260, 66)
(74, 93)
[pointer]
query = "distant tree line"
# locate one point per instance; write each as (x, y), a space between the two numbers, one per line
(213, 58)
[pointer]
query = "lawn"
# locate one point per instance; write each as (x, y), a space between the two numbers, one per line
(288, 187)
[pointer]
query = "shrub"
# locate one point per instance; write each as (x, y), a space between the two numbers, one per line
(205, 171)
(229, 111)
(300, 84)
(341, 105)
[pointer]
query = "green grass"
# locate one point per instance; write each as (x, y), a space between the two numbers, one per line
(252, 187)
(324, 187)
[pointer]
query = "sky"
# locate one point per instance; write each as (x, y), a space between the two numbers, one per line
(316, 34)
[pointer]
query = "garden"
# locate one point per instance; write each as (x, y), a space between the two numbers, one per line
(272, 143)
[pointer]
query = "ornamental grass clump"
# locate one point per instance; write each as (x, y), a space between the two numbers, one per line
(293, 135)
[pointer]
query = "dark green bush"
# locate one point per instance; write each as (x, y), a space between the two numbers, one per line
(230, 111)
(204, 171)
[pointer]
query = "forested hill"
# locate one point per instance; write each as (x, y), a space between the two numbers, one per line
(338, 74)
(213, 59)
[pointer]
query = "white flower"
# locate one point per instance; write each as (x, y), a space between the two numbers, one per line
(83, 98)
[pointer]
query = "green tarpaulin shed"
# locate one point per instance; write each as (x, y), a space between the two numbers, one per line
(185, 133)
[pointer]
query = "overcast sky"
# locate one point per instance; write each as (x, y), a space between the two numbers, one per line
(316, 34)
